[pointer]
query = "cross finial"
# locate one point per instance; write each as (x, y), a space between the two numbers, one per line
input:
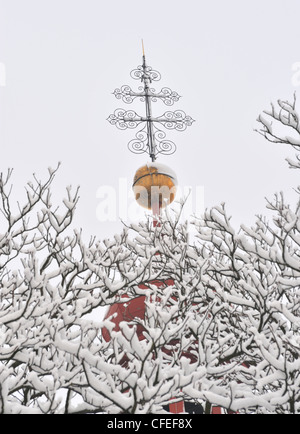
(150, 138)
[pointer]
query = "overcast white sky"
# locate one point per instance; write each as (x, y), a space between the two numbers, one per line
(227, 58)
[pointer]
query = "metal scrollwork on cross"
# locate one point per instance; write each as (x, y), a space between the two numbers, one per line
(150, 139)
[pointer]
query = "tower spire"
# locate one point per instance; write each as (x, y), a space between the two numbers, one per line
(154, 186)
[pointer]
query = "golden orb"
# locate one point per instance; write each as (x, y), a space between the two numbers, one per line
(154, 184)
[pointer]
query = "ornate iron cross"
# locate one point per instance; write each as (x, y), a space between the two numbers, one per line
(149, 139)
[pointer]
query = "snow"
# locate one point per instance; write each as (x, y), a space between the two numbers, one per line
(226, 331)
(162, 168)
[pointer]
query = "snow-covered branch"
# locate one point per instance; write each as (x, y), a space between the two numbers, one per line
(282, 125)
(221, 325)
